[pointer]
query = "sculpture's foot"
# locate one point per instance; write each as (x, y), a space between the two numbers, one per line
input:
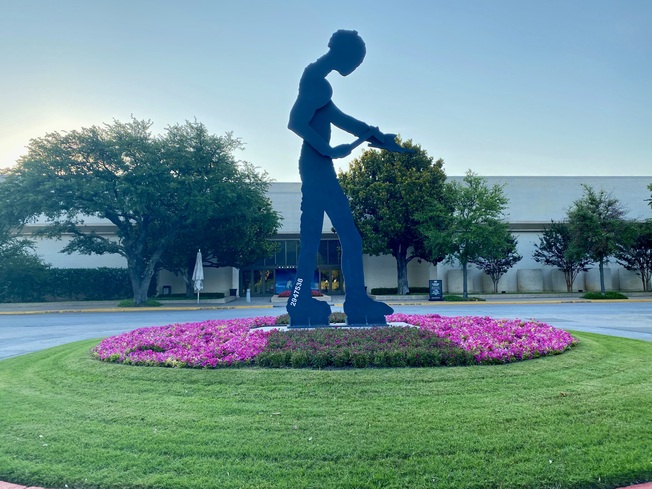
(364, 311)
(309, 313)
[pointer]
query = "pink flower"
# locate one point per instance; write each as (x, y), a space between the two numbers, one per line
(211, 344)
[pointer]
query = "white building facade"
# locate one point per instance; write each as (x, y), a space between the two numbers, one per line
(533, 203)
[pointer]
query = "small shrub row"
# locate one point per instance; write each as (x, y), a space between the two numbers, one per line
(334, 318)
(315, 293)
(60, 284)
(606, 295)
(394, 290)
(389, 347)
(203, 295)
(423, 290)
(459, 298)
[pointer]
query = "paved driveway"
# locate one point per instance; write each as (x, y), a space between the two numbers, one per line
(25, 333)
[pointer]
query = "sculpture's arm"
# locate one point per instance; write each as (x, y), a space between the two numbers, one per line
(300, 116)
(351, 124)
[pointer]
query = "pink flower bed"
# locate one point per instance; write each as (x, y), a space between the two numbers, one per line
(204, 344)
(211, 344)
(494, 340)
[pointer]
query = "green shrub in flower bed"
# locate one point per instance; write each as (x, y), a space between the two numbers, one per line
(360, 348)
(607, 295)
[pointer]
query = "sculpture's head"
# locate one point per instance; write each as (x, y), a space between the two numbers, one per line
(347, 51)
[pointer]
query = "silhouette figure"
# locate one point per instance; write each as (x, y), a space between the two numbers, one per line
(311, 118)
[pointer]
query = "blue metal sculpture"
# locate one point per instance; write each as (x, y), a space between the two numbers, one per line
(311, 118)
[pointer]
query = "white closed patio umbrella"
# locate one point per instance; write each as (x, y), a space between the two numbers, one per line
(198, 275)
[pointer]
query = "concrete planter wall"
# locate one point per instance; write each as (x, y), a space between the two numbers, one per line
(488, 285)
(455, 282)
(629, 281)
(529, 280)
(592, 279)
(559, 282)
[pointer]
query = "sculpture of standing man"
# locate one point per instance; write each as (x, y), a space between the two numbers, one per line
(311, 118)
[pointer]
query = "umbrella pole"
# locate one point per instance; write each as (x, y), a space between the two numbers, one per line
(197, 296)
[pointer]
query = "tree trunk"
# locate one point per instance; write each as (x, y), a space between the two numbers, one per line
(190, 288)
(569, 280)
(142, 268)
(140, 286)
(465, 290)
(401, 270)
(601, 266)
(495, 284)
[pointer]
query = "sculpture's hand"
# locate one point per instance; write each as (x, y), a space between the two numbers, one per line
(375, 132)
(341, 151)
(389, 143)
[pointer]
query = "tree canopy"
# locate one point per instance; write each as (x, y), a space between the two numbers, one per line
(476, 225)
(154, 189)
(596, 223)
(387, 192)
(497, 260)
(555, 249)
(634, 250)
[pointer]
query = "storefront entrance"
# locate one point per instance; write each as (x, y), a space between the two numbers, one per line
(270, 281)
(260, 282)
(276, 273)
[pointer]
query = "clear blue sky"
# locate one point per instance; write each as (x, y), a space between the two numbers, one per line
(561, 87)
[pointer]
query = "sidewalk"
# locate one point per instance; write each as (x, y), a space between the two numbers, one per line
(265, 302)
(112, 306)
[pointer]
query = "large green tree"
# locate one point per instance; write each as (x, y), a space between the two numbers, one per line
(234, 238)
(21, 270)
(387, 192)
(596, 223)
(555, 249)
(475, 226)
(154, 189)
(634, 250)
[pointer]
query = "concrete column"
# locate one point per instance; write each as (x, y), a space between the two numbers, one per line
(455, 281)
(488, 284)
(629, 281)
(559, 282)
(235, 280)
(592, 279)
(529, 280)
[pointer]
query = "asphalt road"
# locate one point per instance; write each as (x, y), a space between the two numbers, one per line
(26, 333)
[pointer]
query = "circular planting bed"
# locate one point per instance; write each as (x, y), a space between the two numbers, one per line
(433, 340)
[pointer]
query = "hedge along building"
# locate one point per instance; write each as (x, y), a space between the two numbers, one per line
(533, 203)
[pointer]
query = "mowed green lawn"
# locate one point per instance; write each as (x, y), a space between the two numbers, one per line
(578, 420)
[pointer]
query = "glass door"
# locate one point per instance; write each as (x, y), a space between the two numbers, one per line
(330, 281)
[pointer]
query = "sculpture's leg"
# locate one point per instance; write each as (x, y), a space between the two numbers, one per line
(359, 308)
(305, 311)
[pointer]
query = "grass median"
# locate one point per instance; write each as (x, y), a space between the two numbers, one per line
(578, 420)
